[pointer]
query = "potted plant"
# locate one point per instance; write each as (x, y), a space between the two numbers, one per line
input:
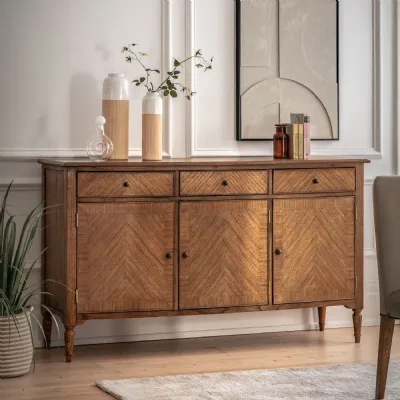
(152, 106)
(16, 313)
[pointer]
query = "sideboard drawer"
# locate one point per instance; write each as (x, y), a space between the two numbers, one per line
(223, 183)
(314, 180)
(125, 184)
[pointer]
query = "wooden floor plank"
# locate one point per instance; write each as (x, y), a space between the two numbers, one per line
(54, 379)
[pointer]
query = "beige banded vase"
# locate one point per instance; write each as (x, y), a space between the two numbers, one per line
(16, 349)
(152, 109)
(115, 109)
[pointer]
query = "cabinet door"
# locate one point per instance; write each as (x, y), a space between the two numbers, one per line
(223, 247)
(313, 249)
(123, 260)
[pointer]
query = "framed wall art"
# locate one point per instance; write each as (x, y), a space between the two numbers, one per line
(286, 62)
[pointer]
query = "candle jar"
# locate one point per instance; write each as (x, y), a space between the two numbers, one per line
(281, 142)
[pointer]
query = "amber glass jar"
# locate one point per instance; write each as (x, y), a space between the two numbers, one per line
(281, 142)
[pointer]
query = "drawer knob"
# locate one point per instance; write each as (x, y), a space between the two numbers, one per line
(126, 184)
(225, 183)
(278, 252)
(168, 255)
(315, 181)
(185, 255)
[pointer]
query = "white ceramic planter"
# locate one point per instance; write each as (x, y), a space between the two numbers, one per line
(16, 349)
(152, 109)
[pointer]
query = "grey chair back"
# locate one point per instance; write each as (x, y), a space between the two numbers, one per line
(386, 193)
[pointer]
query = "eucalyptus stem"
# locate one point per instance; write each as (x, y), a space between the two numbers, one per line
(169, 84)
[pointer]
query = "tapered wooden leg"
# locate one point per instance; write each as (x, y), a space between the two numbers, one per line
(357, 321)
(322, 318)
(69, 343)
(47, 325)
(385, 344)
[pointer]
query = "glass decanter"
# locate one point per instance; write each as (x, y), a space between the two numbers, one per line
(99, 147)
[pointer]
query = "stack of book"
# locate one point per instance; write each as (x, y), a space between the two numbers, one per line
(299, 133)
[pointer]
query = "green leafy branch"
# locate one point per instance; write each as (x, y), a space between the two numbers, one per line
(170, 85)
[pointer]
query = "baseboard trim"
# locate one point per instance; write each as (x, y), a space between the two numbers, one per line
(143, 337)
(206, 333)
(22, 185)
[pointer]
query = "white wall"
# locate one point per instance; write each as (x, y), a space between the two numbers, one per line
(54, 55)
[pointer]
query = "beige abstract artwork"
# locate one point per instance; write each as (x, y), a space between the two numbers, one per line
(287, 64)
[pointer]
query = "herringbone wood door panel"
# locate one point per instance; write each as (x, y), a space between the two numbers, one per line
(226, 246)
(315, 238)
(122, 263)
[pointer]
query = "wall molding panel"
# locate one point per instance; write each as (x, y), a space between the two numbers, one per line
(35, 154)
(397, 44)
(190, 79)
(374, 152)
(166, 50)
(378, 26)
(166, 54)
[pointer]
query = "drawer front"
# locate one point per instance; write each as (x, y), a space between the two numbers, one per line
(223, 183)
(315, 180)
(125, 184)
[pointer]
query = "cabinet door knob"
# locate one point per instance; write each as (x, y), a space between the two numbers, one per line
(278, 252)
(185, 255)
(126, 184)
(225, 183)
(168, 255)
(315, 181)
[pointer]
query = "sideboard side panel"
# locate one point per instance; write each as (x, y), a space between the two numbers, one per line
(55, 245)
(71, 253)
(359, 238)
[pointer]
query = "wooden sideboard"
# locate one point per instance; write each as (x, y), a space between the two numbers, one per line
(201, 236)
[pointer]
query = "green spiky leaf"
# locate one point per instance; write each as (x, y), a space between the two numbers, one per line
(15, 293)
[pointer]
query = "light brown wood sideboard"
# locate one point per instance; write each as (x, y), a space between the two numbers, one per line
(201, 236)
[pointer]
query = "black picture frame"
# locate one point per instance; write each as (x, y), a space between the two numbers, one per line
(237, 76)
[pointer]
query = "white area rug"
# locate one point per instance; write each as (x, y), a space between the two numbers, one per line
(345, 382)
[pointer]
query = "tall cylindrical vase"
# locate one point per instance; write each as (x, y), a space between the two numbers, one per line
(152, 127)
(116, 113)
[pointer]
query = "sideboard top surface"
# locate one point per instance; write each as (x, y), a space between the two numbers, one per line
(191, 162)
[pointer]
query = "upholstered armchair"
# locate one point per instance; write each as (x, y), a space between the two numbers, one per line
(387, 228)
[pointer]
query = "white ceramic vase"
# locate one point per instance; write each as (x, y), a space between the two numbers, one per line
(152, 109)
(16, 348)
